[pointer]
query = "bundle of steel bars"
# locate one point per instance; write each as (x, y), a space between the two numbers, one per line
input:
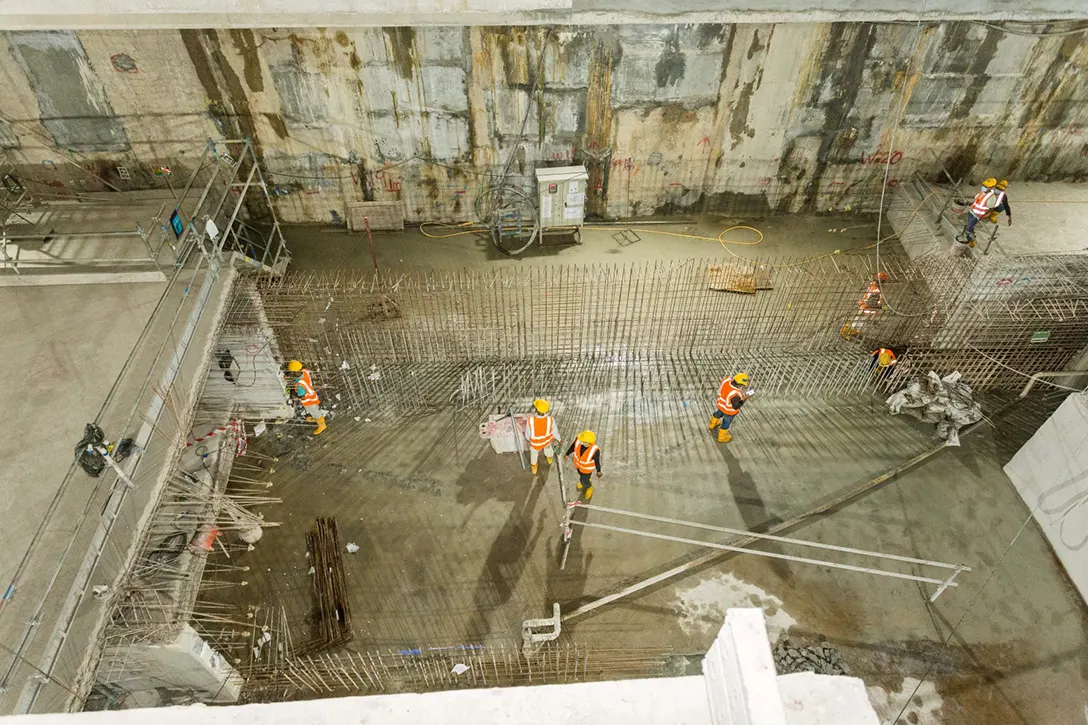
(332, 613)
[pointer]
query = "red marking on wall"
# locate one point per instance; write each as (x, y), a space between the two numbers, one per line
(626, 163)
(705, 143)
(765, 181)
(881, 157)
(892, 183)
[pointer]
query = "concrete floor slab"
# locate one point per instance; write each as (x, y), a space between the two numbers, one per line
(1047, 219)
(324, 248)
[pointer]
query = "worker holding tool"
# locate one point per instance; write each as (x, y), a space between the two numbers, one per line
(731, 396)
(541, 432)
(304, 389)
(587, 456)
(1002, 204)
(984, 203)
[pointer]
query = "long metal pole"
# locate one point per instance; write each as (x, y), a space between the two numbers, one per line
(770, 554)
(769, 537)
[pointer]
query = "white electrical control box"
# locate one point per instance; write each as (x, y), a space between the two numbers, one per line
(562, 196)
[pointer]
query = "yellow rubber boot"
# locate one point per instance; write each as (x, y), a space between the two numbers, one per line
(579, 487)
(550, 460)
(534, 469)
(589, 493)
(724, 436)
(714, 422)
(320, 426)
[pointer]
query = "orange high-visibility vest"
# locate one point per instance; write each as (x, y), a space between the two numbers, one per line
(984, 203)
(541, 431)
(728, 394)
(583, 457)
(309, 396)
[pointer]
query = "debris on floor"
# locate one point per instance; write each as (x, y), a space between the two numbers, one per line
(823, 659)
(944, 401)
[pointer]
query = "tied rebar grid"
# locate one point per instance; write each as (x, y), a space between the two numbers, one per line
(992, 318)
(420, 340)
(183, 557)
(340, 673)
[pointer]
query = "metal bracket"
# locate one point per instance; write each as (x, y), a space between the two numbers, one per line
(532, 639)
(949, 582)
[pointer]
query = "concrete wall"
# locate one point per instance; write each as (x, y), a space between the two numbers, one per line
(1051, 474)
(710, 117)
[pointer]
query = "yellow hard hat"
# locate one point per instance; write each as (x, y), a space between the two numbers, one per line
(1002, 185)
(294, 366)
(741, 378)
(541, 406)
(990, 183)
(588, 437)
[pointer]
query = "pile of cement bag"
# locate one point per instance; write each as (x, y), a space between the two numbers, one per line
(944, 401)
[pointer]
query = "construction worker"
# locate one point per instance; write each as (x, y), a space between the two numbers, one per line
(883, 357)
(731, 396)
(587, 456)
(304, 389)
(984, 203)
(541, 432)
(883, 360)
(1002, 204)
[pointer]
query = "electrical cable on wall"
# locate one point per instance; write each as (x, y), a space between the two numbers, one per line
(497, 191)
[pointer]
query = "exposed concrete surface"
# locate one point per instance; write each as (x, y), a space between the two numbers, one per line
(1047, 219)
(459, 545)
(1051, 474)
(735, 118)
(69, 345)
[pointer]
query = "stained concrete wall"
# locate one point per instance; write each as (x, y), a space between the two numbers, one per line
(713, 117)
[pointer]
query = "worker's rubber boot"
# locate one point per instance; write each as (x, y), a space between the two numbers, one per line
(715, 421)
(320, 426)
(550, 460)
(534, 469)
(724, 436)
(579, 486)
(589, 493)
(311, 419)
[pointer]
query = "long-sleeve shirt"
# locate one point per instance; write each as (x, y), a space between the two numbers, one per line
(1003, 204)
(596, 455)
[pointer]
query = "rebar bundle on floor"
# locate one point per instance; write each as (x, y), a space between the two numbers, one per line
(332, 613)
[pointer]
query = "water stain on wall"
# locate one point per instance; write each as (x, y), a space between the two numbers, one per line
(251, 64)
(71, 99)
(402, 44)
(671, 64)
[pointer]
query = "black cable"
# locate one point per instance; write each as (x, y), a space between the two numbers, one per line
(501, 187)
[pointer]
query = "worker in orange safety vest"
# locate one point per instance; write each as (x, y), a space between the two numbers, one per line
(541, 432)
(307, 395)
(731, 396)
(587, 457)
(883, 361)
(985, 201)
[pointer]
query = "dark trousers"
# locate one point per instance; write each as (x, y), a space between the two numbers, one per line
(727, 420)
(586, 479)
(972, 221)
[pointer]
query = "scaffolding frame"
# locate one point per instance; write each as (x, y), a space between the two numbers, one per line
(165, 368)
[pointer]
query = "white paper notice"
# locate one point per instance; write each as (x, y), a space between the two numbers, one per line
(572, 212)
(546, 207)
(573, 188)
(575, 199)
